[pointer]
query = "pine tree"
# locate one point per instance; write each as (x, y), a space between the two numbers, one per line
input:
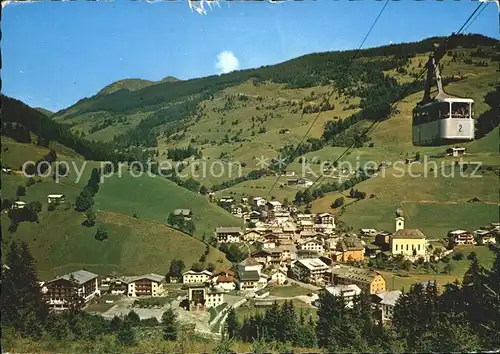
(170, 325)
(126, 335)
(22, 304)
(232, 324)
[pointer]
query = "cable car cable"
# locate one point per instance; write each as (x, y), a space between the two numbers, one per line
(401, 96)
(330, 95)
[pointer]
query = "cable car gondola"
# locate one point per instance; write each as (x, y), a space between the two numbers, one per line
(444, 119)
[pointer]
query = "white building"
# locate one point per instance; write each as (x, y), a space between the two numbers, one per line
(310, 270)
(192, 276)
(312, 245)
(385, 302)
(259, 202)
(58, 293)
(347, 292)
(229, 234)
(135, 286)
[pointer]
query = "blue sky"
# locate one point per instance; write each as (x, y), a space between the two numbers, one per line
(55, 53)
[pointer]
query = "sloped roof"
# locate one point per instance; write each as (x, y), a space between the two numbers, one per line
(359, 274)
(389, 297)
(81, 276)
(249, 262)
(408, 233)
(228, 229)
(249, 275)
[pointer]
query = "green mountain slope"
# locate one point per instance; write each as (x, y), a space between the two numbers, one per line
(135, 244)
(127, 84)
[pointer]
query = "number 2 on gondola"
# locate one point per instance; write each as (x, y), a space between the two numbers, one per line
(460, 128)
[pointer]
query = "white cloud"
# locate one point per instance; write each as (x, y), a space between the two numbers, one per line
(227, 62)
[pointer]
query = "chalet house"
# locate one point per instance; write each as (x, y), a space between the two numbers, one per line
(312, 245)
(244, 200)
(266, 244)
(347, 292)
(248, 280)
(385, 302)
(306, 225)
(461, 237)
(254, 216)
(273, 207)
(300, 217)
(202, 297)
(59, 292)
(290, 173)
(279, 217)
(185, 213)
(325, 219)
(252, 235)
(136, 286)
(310, 270)
(228, 234)
(486, 236)
(192, 276)
(263, 257)
(349, 249)
(55, 198)
(279, 255)
(258, 202)
(6, 170)
(277, 277)
(18, 205)
(367, 280)
(237, 210)
(224, 279)
(250, 264)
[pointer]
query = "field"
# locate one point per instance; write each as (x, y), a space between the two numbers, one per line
(288, 291)
(60, 244)
(134, 246)
(403, 280)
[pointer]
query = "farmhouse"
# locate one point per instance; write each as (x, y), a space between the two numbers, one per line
(59, 292)
(228, 234)
(55, 198)
(461, 237)
(367, 280)
(192, 276)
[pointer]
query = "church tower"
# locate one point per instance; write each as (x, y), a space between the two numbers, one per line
(400, 220)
